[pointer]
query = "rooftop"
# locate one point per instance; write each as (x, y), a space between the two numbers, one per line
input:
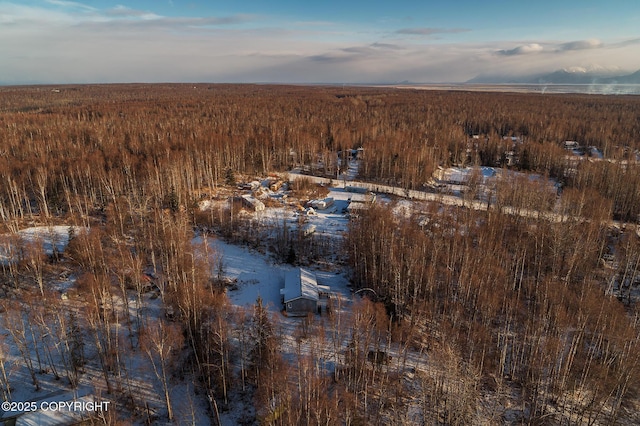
(298, 283)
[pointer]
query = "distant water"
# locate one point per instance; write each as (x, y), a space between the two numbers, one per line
(590, 89)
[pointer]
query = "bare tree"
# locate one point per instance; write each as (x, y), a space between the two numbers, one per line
(162, 341)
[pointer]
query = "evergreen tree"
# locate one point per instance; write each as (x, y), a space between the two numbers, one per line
(229, 177)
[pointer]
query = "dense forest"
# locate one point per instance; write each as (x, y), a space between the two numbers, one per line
(94, 143)
(472, 316)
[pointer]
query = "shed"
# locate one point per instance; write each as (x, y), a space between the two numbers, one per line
(368, 198)
(360, 201)
(321, 204)
(252, 203)
(302, 294)
(308, 230)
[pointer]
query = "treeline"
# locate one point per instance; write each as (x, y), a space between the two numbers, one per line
(525, 305)
(74, 149)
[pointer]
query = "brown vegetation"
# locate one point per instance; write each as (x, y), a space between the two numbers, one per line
(519, 301)
(499, 304)
(75, 152)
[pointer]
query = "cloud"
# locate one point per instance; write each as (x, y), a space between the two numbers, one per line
(208, 21)
(373, 51)
(70, 4)
(386, 46)
(522, 50)
(123, 15)
(29, 18)
(331, 58)
(373, 48)
(77, 14)
(66, 43)
(625, 43)
(151, 20)
(581, 45)
(359, 50)
(530, 48)
(124, 11)
(428, 31)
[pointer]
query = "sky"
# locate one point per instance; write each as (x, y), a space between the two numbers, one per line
(333, 41)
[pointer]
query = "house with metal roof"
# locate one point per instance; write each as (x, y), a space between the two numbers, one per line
(302, 294)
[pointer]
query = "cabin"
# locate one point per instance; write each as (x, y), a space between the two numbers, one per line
(302, 295)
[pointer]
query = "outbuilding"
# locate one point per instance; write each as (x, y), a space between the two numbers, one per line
(252, 203)
(321, 204)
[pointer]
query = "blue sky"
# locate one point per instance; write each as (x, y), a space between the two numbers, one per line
(282, 41)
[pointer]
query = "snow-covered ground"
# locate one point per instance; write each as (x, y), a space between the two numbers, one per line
(333, 220)
(54, 239)
(257, 276)
(457, 179)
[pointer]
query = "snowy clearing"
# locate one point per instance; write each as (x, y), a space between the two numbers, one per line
(53, 239)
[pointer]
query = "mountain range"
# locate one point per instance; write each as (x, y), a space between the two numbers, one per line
(561, 77)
